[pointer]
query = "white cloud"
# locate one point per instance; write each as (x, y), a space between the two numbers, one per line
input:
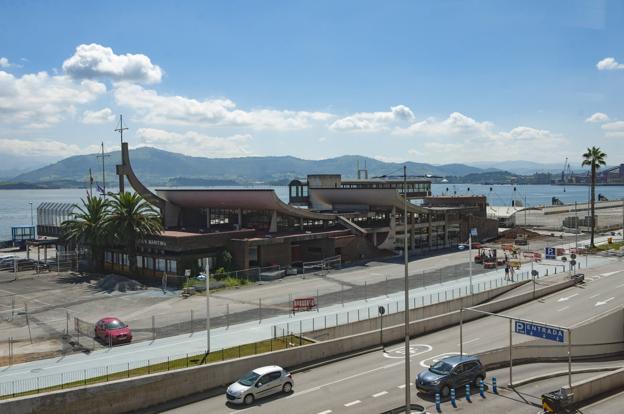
(40, 100)
(609, 64)
(374, 121)
(43, 147)
(614, 129)
(456, 124)
(178, 110)
(98, 117)
(4, 63)
(97, 61)
(195, 144)
(597, 118)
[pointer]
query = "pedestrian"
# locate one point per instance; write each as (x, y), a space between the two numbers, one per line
(507, 272)
(512, 273)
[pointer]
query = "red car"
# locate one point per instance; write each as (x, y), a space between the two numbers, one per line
(112, 330)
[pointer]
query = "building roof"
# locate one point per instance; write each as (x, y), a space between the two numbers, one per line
(246, 199)
(382, 197)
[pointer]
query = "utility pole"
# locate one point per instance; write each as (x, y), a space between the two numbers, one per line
(32, 220)
(207, 307)
(103, 157)
(470, 256)
(407, 318)
(121, 129)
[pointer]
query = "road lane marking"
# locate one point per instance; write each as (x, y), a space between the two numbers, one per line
(567, 298)
(401, 386)
(604, 302)
(610, 273)
(379, 394)
(595, 296)
(468, 342)
(401, 351)
(326, 412)
(562, 309)
(349, 404)
(619, 286)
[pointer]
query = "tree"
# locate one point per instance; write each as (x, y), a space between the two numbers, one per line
(131, 219)
(594, 158)
(88, 228)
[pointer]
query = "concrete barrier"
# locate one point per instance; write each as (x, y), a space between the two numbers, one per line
(595, 386)
(146, 391)
(415, 314)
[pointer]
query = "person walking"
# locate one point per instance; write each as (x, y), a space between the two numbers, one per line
(511, 271)
(507, 272)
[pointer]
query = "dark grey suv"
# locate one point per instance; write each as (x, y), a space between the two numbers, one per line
(450, 372)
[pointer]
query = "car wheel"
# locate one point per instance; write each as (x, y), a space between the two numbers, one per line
(477, 381)
(249, 399)
(445, 391)
(287, 387)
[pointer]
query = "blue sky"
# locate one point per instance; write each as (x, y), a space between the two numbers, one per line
(436, 81)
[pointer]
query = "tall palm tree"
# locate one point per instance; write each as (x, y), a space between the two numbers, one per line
(131, 219)
(88, 228)
(594, 158)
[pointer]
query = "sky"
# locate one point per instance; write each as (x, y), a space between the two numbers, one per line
(429, 81)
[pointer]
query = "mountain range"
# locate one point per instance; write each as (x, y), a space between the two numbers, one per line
(158, 167)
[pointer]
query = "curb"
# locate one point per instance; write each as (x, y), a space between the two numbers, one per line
(561, 374)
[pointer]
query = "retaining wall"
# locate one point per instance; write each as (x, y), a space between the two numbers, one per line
(141, 392)
(598, 385)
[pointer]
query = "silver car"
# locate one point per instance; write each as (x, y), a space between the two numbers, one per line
(259, 383)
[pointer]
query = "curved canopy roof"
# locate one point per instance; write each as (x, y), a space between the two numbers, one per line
(248, 199)
(381, 197)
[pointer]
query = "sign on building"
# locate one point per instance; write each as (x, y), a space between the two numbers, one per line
(550, 253)
(539, 331)
(473, 232)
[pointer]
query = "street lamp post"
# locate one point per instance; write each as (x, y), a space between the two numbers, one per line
(207, 307)
(407, 318)
(32, 220)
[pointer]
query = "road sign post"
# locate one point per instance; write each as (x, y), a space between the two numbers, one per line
(381, 311)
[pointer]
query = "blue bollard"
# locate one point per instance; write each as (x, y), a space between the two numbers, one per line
(453, 401)
(437, 402)
(468, 392)
(482, 389)
(494, 387)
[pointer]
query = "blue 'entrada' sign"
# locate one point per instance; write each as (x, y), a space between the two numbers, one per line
(539, 331)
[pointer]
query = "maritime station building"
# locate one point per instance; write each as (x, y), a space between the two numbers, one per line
(325, 216)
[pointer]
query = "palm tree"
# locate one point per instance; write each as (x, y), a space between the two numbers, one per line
(594, 158)
(131, 219)
(88, 228)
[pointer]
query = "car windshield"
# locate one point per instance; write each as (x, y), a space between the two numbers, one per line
(441, 368)
(249, 379)
(115, 325)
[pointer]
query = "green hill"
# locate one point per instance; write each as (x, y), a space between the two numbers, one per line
(158, 167)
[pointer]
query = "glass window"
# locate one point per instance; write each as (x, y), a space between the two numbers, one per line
(275, 375)
(139, 261)
(248, 379)
(160, 265)
(172, 266)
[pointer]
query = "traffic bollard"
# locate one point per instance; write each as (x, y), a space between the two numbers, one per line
(482, 389)
(453, 401)
(437, 402)
(468, 392)
(494, 387)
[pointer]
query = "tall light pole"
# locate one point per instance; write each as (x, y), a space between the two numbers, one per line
(407, 318)
(32, 219)
(207, 307)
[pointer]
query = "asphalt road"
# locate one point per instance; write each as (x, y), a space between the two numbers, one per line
(374, 382)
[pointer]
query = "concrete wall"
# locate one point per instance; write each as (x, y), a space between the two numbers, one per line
(600, 336)
(598, 385)
(150, 390)
(415, 314)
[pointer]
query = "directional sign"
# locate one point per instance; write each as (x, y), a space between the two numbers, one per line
(473, 232)
(550, 253)
(539, 331)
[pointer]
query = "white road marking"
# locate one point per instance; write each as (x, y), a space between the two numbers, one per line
(567, 298)
(349, 404)
(619, 286)
(610, 273)
(595, 296)
(604, 302)
(401, 386)
(326, 412)
(379, 394)
(401, 351)
(562, 309)
(472, 340)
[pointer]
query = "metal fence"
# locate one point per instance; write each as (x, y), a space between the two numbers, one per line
(112, 372)
(13, 267)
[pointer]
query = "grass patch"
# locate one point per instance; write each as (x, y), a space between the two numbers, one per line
(186, 362)
(607, 246)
